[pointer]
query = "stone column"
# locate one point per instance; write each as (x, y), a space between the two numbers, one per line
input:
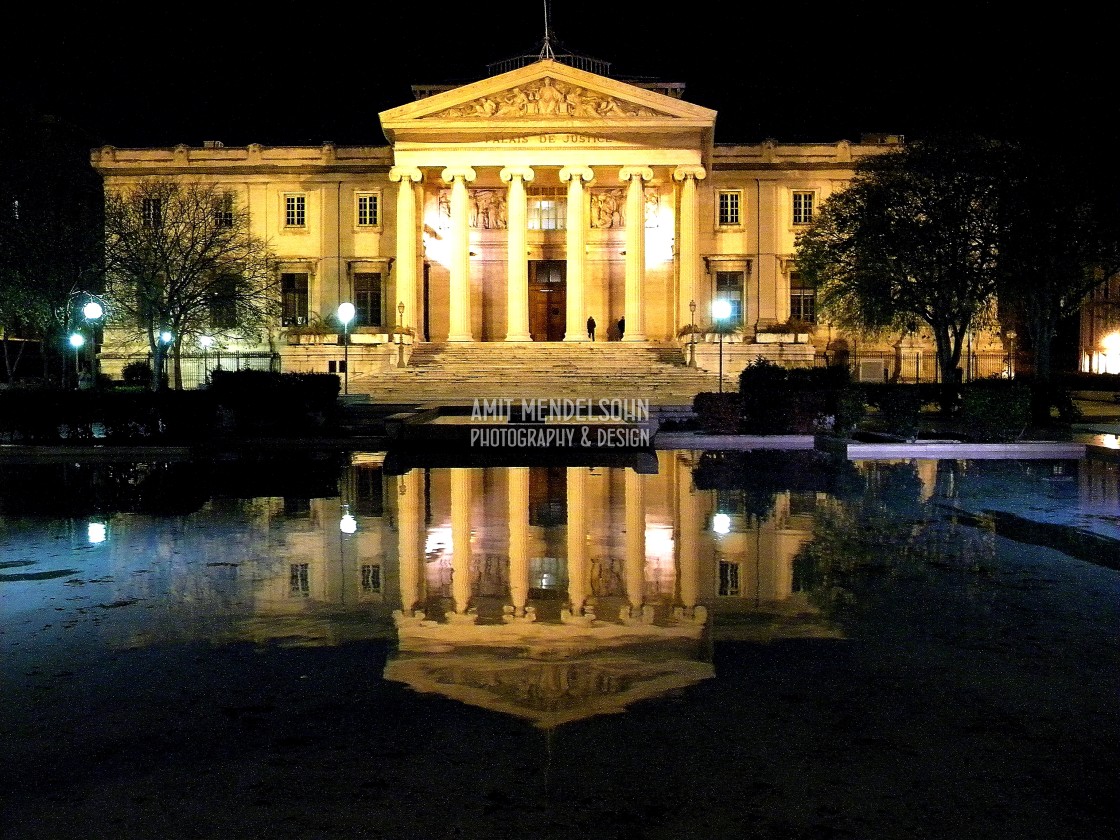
(517, 272)
(635, 249)
(407, 234)
(409, 553)
(518, 500)
(461, 540)
(460, 298)
(577, 544)
(688, 249)
(635, 543)
(576, 320)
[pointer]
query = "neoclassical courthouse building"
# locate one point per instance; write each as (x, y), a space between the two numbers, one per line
(515, 208)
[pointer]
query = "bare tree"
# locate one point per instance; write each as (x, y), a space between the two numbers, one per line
(181, 263)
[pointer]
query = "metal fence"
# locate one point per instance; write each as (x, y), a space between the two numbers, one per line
(916, 365)
(197, 367)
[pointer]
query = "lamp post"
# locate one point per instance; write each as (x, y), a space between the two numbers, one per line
(692, 334)
(400, 334)
(166, 338)
(1011, 354)
(76, 341)
(346, 315)
(93, 311)
(204, 341)
(721, 310)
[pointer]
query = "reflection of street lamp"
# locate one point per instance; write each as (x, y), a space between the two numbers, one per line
(346, 315)
(400, 334)
(692, 334)
(721, 310)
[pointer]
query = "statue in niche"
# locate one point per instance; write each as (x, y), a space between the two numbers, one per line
(652, 207)
(488, 209)
(606, 209)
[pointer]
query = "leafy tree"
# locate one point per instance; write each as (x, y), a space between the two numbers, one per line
(180, 259)
(914, 239)
(1060, 239)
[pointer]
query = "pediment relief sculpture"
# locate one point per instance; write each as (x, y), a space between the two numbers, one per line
(546, 97)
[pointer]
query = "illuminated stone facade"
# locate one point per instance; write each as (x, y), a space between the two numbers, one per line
(514, 208)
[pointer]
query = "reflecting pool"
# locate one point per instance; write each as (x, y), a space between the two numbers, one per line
(679, 643)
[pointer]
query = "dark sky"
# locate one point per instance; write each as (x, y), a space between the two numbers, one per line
(161, 74)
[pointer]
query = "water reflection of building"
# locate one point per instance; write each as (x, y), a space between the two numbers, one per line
(588, 587)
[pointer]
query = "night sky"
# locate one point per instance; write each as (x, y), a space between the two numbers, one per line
(155, 75)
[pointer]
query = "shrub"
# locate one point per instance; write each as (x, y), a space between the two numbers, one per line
(995, 410)
(900, 409)
(137, 373)
(718, 413)
(779, 400)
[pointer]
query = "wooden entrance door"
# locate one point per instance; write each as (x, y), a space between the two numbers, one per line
(547, 300)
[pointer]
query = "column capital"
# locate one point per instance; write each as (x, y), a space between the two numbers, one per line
(526, 173)
(583, 173)
(690, 171)
(399, 173)
(452, 172)
(643, 173)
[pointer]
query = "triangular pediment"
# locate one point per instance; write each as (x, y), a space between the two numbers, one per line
(544, 96)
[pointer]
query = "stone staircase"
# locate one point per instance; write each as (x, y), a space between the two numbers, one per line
(457, 373)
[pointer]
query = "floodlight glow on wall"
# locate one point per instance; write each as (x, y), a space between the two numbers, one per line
(721, 523)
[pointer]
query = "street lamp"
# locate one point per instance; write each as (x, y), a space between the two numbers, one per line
(76, 341)
(92, 312)
(400, 334)
(692, 334)
(346, 315)
(1011, 354)
(721, 310)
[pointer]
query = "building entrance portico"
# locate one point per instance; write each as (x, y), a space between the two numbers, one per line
(544, 196)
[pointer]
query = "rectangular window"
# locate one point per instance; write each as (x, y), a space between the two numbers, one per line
(371, 579)
(802, 207)
(548, 209)
(295, 211)
(152, 211)
(368, 210)
(728, 578)
(729, 287)
(299, 585)
(293, 291)
(802, 299)
(367, 299)
(223, 302)
(223, 211)
(730, 202)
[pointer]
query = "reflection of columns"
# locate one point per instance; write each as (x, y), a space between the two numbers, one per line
(517, 271)
(518, 493)
(688, 241)
(635, 543)
(577, 541)
(635, 249)
(409, 507)
(576, 322)
(461, 539)
(460, 299)
(688, 521)
(405, 263)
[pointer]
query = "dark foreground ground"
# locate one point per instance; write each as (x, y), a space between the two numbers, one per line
(960, 705)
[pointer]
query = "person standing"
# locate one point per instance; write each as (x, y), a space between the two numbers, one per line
(591, 327)
(621, 327)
